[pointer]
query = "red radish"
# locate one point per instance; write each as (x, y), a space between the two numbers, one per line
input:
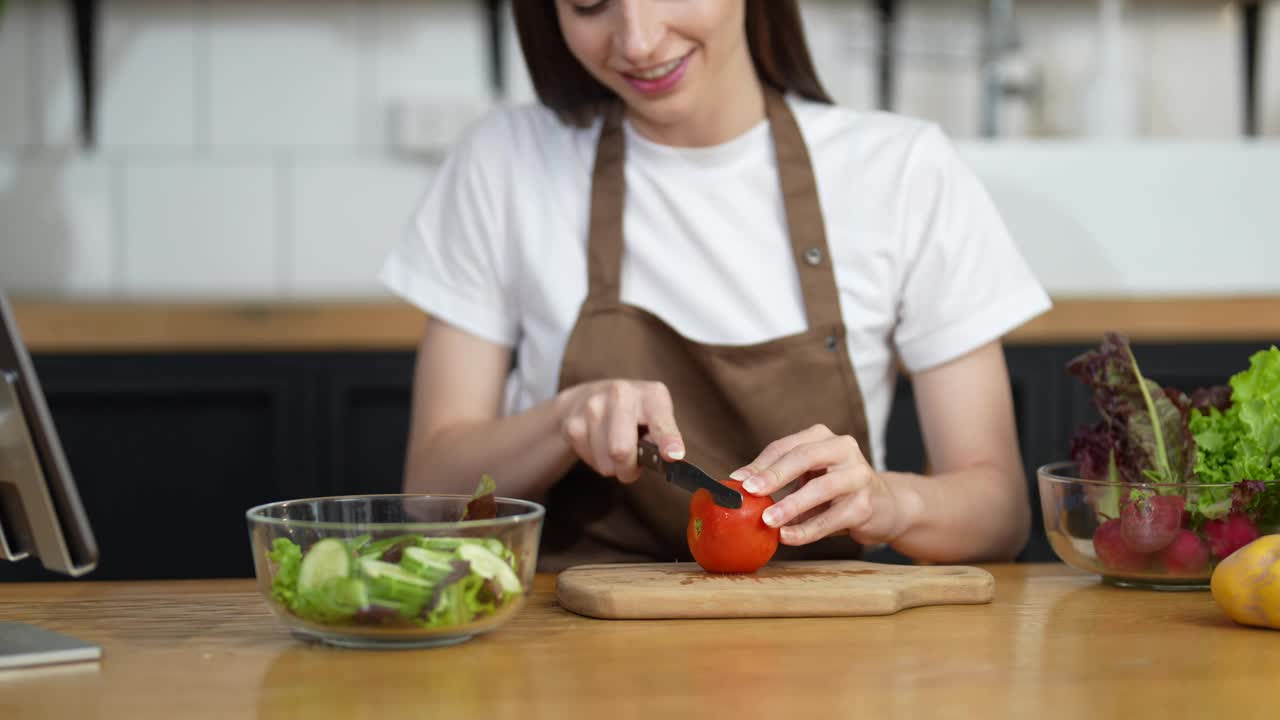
(1148, 524)
(1109, 544)
(1230, 534)
(1186, 555)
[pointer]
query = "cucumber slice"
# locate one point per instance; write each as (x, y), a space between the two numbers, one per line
(441, 544)
(379, 570)
(491, 567)
(493, 545)
(451, 545)
(427, 564)
(349, 592)
(326, 560)
(393, 584)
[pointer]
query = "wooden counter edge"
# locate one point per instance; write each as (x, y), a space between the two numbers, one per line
(82, 326)
(73, 327)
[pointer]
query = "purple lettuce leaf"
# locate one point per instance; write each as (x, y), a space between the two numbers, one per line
(1147, 428)
(1218, 396)
(1093, 452)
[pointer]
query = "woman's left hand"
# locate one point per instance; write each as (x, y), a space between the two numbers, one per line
(837, 489)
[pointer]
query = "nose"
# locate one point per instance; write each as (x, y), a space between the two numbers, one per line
(639, 31)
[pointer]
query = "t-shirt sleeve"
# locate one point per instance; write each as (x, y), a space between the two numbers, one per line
(964, 282)
(451, 262)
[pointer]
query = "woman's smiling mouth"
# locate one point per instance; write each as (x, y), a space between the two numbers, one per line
(658, 78)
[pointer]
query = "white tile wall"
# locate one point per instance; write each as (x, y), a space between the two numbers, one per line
(1175, 80)
(441, 54)
(939, 75)
(51, 62)
(345, 218)
(1060, 42)
(149, 71)
(841, 41)
(14, 77)
(201, 229)
(57, 235)
(436, 62)
(289, 74)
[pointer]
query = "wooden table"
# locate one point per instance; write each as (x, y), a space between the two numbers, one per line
(1054, 644)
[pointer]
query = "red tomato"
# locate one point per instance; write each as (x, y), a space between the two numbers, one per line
(727, 540)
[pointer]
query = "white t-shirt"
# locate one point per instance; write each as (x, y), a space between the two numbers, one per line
(924, 265)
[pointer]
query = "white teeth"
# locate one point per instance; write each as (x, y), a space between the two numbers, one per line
(659, 71)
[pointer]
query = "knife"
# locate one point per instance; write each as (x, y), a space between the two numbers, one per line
(687, 476)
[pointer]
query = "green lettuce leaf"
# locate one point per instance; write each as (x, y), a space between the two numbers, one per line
(1256, 394)
(458, 604)
(288, 559)
(1242, 443)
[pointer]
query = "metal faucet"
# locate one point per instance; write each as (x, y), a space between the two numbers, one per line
(1000, 40)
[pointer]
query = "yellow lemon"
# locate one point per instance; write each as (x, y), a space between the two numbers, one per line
(1246, 585)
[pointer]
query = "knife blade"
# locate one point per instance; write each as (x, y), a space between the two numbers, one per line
(687, 476)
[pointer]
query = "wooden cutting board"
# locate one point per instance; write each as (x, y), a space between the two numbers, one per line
(782, 589)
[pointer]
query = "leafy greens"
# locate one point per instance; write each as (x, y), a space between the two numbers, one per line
(1152, 435)
(1240, 444)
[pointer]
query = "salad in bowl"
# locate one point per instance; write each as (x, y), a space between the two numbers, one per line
(1166, 484)
(396, 570)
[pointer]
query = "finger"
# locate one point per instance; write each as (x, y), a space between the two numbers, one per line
(839, 517)
(780, 447)
(810, 513)
(821, 455)
(658, 413)
(622, 431)
(575, 428)
(814, 493)
(806, 478)
(830, 488)
(598, 431)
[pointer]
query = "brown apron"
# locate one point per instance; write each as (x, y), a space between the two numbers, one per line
(730, 401)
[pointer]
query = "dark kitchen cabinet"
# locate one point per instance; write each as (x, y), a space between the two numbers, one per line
(169, 450)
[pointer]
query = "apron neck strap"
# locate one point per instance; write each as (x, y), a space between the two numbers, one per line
(805, 223)
(608, 191)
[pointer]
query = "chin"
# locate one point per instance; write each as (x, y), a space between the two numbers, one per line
(669, 111)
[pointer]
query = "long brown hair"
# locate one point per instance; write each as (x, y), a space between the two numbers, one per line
(775, 36)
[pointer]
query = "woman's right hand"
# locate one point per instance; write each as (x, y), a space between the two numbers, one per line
(602, 421)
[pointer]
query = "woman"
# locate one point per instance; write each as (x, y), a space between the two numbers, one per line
(686, 240)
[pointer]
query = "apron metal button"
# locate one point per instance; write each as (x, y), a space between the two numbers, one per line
(813, 255)
(831, 342)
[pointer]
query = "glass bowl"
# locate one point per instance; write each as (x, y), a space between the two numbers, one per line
(393, 570)
(1154, 544)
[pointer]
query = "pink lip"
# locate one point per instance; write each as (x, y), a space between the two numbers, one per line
(662, 84)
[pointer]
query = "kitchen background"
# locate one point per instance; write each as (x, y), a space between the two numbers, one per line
(196, 275)
(274, 149)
